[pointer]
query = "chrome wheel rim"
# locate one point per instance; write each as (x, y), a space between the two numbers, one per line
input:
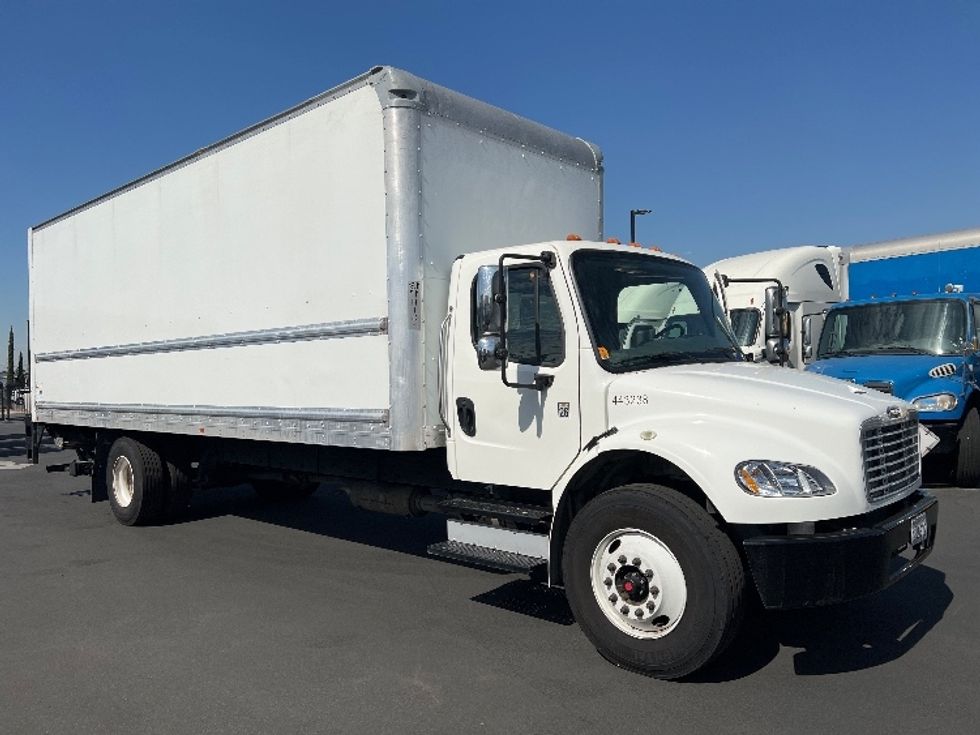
(123, 482)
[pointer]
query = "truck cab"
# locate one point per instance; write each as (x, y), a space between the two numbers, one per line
(776, 299)
(923, 349)
(607, 379)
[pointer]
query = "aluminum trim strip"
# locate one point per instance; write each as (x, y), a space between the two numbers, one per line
(328, 330)
(336, 433)
(359, 415)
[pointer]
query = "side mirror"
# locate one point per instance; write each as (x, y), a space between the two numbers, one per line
(777, 325)
(807, 338)
(487, 317)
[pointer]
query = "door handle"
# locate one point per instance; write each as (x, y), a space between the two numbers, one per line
(466, 414)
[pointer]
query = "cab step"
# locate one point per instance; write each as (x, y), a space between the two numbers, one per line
(493, 508)
(484, 556)
(496, 548)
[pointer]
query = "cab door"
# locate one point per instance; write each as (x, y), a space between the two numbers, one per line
(507, 435)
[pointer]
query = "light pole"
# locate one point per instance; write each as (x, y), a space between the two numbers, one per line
(634, 213)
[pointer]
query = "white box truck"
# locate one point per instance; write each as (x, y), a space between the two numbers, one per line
(374, 289)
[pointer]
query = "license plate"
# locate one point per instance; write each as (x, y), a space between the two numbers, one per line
(919, 530)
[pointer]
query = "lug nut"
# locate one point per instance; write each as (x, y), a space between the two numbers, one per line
(651, 605)
(654, 590)
(638, 612)
(625, 609)
(648, 574)
(613, 598)
(611, 567)
(607, 581)
(622, 559)
(636, 561)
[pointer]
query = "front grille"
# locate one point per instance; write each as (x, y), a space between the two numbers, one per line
(891, 455)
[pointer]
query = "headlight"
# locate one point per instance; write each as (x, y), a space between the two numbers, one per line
(782, 480)
(938, 402)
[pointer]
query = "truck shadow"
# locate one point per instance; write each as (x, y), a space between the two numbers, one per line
(327, 513)
(853, 636)
(14, 446)
(858, 635)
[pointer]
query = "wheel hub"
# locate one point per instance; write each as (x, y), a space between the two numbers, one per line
(632, 584)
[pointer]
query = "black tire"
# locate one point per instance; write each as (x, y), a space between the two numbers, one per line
(968, 451)
(139, 498)
(277, 491)
(713, 575)
(179, 491)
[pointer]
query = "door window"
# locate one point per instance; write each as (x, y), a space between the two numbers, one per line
(534, 329)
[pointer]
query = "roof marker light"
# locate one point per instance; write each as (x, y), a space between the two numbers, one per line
(573, 237)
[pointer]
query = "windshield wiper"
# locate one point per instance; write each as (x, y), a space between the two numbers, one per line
(843, 353)
(651, 359)
(675, 357)
(904, 349)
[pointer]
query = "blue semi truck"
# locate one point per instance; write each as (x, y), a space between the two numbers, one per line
(912, 328)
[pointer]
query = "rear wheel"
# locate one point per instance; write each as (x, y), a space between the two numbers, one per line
(653, 582)
(137, 482)
(968, 451)
(179, 490)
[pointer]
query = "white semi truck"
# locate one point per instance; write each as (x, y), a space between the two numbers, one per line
(374, 289)
(776, 299)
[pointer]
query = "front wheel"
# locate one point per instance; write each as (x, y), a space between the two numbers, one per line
(653, 582)
(968, 451)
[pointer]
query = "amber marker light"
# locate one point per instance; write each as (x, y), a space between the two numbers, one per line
(573, 237)
(748, 480)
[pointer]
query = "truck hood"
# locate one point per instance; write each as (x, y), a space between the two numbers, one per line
(908, 374)
(753, 391)
(707, 418)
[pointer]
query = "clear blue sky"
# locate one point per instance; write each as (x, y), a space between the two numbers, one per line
(744, 125)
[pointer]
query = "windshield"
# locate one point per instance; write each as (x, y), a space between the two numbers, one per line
(745, 324)
(895, 328)
(644, 311)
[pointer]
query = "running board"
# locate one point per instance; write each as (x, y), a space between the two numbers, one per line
(484, 556)
(489, 546)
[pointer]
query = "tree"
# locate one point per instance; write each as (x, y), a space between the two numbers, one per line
(19, 377)
(10, 365)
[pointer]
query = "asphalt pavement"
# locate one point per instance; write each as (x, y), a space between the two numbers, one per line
(317, 617)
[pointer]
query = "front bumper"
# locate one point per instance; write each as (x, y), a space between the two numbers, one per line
(867, 556)
(947, 432)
